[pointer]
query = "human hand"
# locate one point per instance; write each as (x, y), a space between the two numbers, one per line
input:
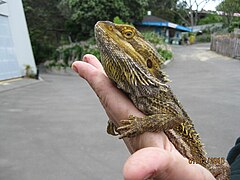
(154, 156)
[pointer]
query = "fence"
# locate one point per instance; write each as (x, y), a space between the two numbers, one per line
(227, 45)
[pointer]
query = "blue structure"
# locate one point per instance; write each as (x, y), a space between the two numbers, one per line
(166, 24)
(171, 31)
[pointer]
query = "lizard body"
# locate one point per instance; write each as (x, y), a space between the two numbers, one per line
(135, 67)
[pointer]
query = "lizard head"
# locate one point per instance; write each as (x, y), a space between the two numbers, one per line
(125, 53)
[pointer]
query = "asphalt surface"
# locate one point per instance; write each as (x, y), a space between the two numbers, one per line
(54, 129)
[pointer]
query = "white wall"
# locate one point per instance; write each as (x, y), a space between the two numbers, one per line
(9, 67)
(4, 9)
(19, 31)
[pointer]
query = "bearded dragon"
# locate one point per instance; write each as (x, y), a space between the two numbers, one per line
(134, 65)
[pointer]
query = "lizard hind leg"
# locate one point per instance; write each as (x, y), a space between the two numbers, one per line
(219, 168)
(134, 125)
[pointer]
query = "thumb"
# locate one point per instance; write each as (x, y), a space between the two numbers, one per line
(116, 104)
(153, 162)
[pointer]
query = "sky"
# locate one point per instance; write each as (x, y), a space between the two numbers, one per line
(211, 5)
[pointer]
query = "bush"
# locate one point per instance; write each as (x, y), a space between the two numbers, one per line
(166, 54)
(117, 20)
(153, 37)
(158, 42)
(65, 55)
(203, 38)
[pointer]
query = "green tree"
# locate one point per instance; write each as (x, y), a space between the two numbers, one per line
(188, 10)
(210, 18)
(179, 11)
(163, 9)
(83, 14)
(229, 7)
(45, 25)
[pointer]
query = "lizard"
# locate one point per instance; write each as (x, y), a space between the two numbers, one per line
(134, 66)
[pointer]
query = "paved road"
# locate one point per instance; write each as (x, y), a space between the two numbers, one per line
(55, 129)
(208, 85)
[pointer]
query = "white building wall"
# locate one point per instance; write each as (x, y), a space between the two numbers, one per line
(20, 35)
(9, 67)
(4, 8)
(15, 46)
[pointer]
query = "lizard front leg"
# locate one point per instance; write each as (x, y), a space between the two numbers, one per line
(134, 126)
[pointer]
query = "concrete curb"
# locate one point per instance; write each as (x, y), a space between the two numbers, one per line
(17, 83)
(167, 62)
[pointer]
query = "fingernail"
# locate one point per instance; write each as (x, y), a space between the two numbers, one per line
(85, 58)
(74, 68)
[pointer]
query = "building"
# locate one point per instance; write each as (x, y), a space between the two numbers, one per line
(171, 31)
(15, 47)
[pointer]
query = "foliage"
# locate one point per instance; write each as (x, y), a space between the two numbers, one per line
(153, 37)
(203, 38)
(117, 20)
(166, 54)
(183, 12)
(235, 24)
(54, 23)
(91, 48)
(45, 25)
(29, 72)
(158, 42)
(83, 14)
(210, 18)
(164, 9)
(188, 10)
(229, 7)
(65, 55)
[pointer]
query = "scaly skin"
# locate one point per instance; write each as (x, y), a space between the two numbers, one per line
(134, 66)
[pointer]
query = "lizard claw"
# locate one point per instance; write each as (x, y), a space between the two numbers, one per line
(130, 127)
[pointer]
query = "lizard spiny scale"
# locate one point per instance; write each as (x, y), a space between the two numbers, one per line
(135, 67)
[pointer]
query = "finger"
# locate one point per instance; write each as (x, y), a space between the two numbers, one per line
(91, 59)
(90, 73)
(160, 164)
(143, 164)
(116, 104)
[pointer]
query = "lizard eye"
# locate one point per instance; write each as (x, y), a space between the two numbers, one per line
(110, 28)
(128, 33)
(149, 63)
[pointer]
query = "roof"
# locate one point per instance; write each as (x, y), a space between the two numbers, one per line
(150, 20)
